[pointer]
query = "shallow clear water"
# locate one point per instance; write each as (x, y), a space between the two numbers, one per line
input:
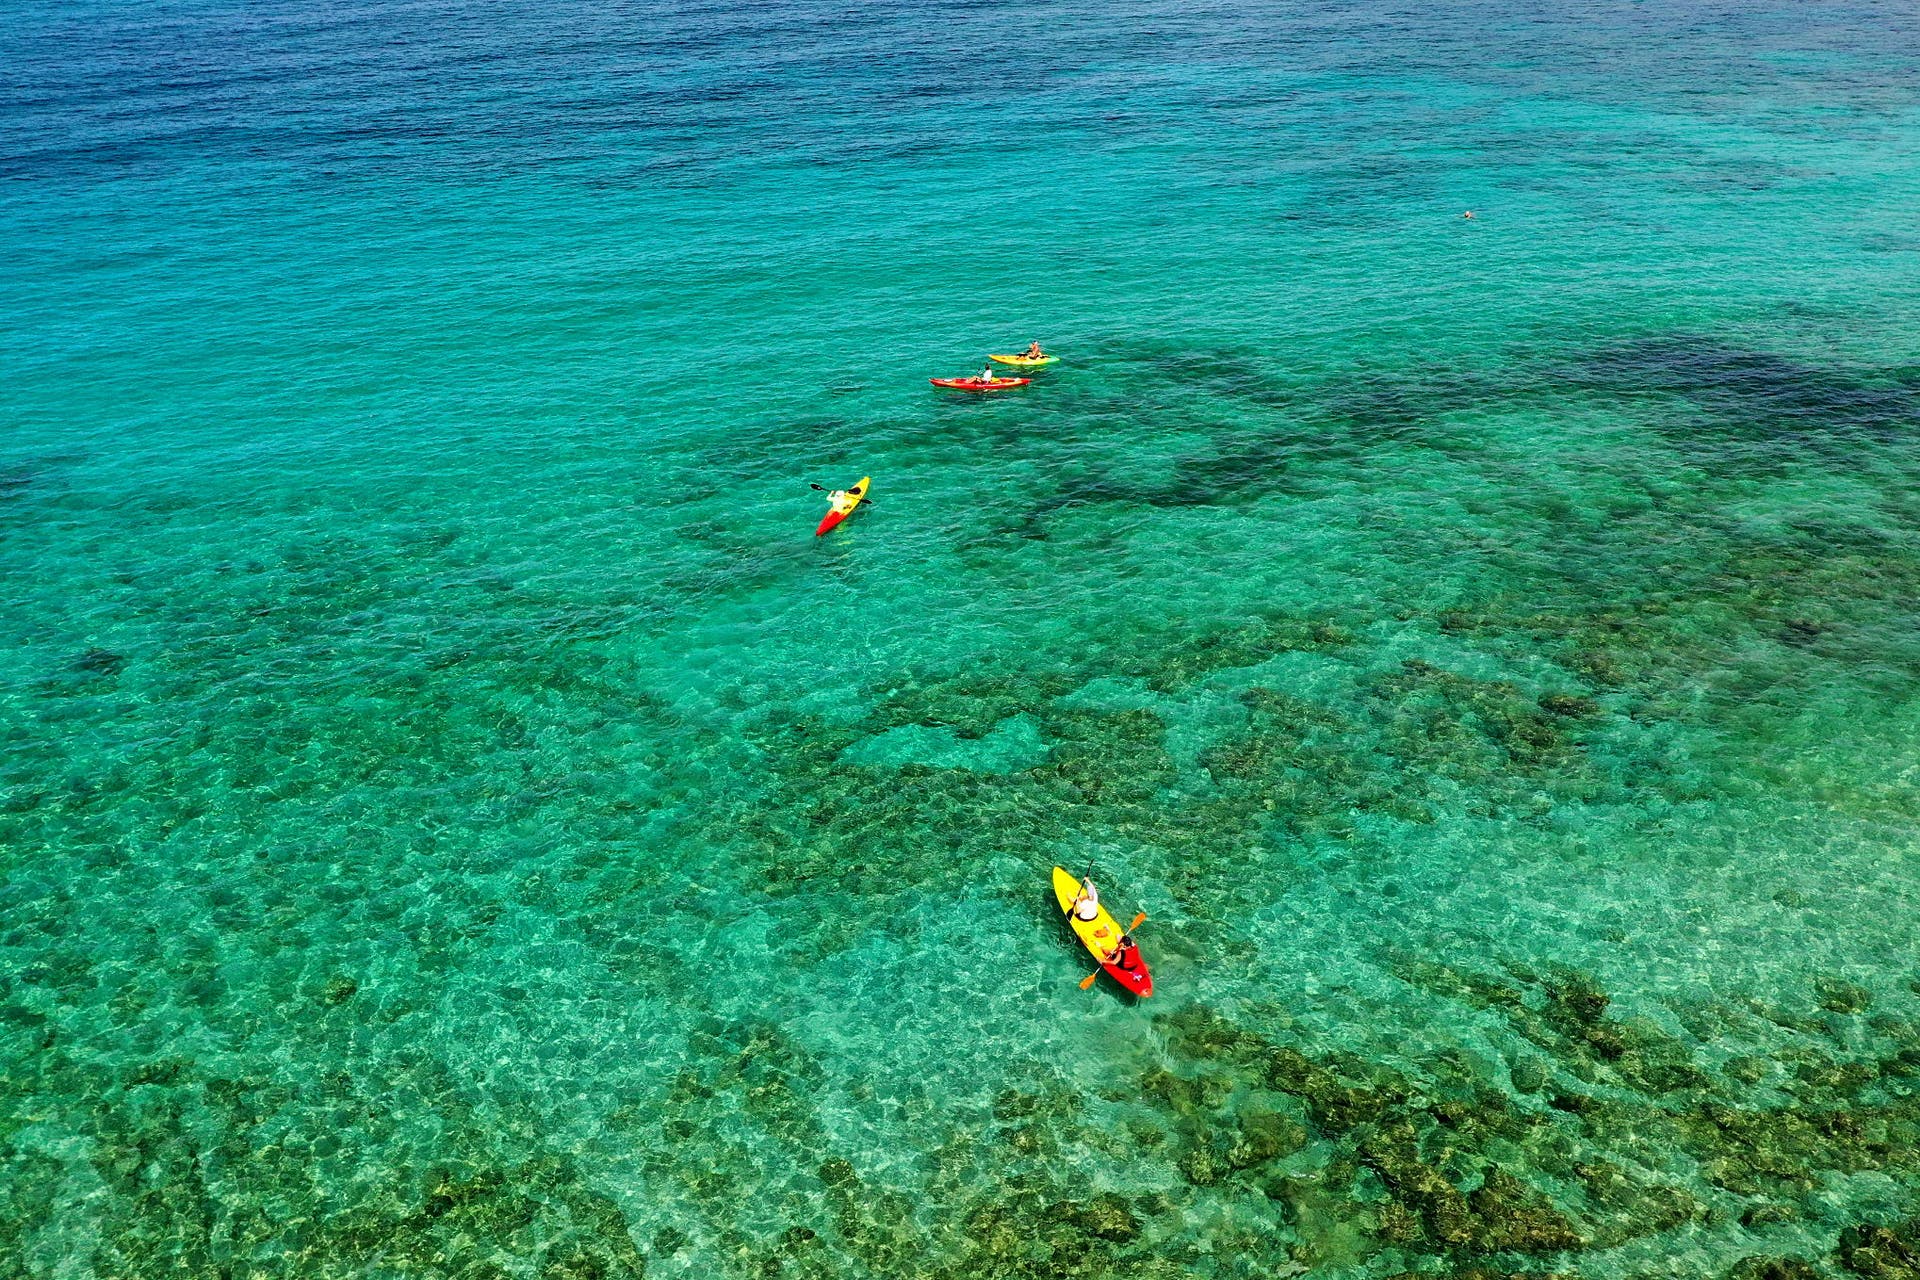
(457, 821)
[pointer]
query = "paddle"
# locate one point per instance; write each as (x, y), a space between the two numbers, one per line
(823, 489)
(1095, 975)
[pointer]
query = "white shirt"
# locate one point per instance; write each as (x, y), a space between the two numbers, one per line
(1088, 905)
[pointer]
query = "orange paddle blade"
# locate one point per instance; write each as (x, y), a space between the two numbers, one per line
(1089, 979)
(1136, 922)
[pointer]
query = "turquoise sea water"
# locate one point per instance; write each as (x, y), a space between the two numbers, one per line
(455, 820)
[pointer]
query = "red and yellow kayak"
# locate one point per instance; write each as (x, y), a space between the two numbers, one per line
(975, 384)
(1101, 935)
(844, 501)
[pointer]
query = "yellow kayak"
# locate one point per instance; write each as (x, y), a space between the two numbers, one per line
(843, 504)
(1101, 935)
(1024, 362)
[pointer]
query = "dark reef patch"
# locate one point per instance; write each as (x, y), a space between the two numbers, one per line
(102, 662)
(14, 482)
(216, 1176)
(1881, 1253)
(1782, 1268)
(1405, 750)
(1439, 1166)
(1731, 410)
(1280, 437)
(1409, 742)
(1469, 1171)
(32, 477)
(1755, 405)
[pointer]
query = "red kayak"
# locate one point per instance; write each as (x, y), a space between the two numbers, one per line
(974, 384)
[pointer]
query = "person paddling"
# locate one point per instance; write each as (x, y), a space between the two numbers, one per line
(837, 495)
(1087, 905)
(1034, 352)
(986, 375)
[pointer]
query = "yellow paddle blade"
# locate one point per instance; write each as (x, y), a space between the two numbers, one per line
(1089, 980)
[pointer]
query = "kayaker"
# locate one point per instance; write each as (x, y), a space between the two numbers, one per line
(1127, 954)
(1034, 352)
(1087, 905)
(986, 375)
